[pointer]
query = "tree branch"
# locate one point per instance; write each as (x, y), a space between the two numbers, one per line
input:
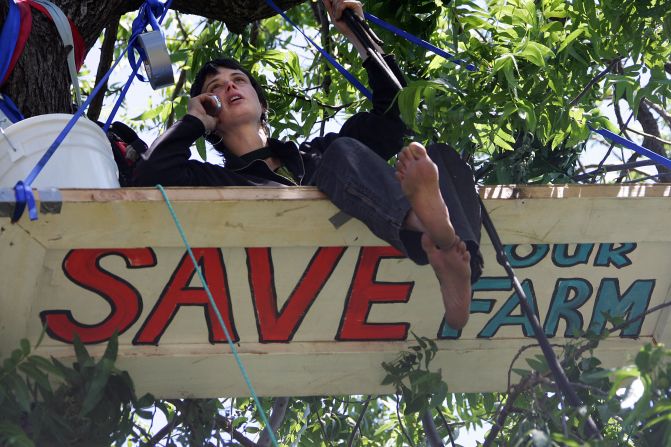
(323, 428)
(647, 135)
(660, 111)
(432, 437)
(620, 121)
(527, 382)
(225, 425)
(591, 344)
(358, 421)
(594, 81)
(106, 58)
(165, 431)
(176, 92)
(447, 426)
(519, 353)
(650, 127)
(400, 421)
(277, 415)
(308, 99)
(613, 168)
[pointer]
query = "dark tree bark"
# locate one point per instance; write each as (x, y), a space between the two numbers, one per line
(649, 124)
(40, 82)
(106, 60)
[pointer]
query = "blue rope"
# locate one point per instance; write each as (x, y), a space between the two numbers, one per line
(219, 317)
(118, 102)
(399, 32)
(660, 159)
(24, 196)
(8, 37)
(420, 42)
(10, 109)
(146, 16)
(349, 76)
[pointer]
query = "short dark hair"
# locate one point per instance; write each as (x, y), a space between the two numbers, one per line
(212, 68)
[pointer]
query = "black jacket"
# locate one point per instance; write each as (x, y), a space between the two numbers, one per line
(381, 129)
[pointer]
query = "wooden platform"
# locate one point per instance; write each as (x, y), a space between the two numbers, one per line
(315, 309)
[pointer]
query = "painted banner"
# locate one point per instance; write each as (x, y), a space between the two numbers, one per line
(313, 309)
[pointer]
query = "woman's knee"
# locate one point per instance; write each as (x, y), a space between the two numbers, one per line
(345, 148)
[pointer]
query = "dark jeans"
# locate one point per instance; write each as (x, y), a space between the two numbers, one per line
(363, 185)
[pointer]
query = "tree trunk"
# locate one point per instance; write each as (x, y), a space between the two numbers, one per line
(40, 82)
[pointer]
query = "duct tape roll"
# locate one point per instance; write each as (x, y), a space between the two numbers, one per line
(157, 59)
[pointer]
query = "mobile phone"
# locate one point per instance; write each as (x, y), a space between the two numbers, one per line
(213, 106)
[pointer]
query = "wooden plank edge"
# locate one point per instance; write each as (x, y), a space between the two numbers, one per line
(497, 192)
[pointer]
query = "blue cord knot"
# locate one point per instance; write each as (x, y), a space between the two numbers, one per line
(24, 196)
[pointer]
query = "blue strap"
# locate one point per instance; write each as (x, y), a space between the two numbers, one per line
(146, 16)
(349, 76)
(419, 42)
(8, 37)
(122, 95)
(24, 195)
(660, 159)
(10, 109)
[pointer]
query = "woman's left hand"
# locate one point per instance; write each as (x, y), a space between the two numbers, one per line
(335, 8)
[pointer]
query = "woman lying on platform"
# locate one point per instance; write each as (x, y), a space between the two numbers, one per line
(427, 207)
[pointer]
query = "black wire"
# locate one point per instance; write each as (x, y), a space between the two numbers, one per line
(447, 426)
(611, 168)
(553, 363)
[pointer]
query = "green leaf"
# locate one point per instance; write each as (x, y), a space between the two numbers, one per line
(25, 347)
(83, 357)
(112, 348)
(36, 375)
(570, 38)
(21, 391)
(13, 435)
(200, 147)
(521, 372)
(97, 386)
(539, 364)
(503, 140)
(388, 380)
(535, 53)
(151, 113)
(46, 366)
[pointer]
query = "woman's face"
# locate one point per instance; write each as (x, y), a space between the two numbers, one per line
(239, 102)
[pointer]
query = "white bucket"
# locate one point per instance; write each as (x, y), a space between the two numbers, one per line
(83, 160)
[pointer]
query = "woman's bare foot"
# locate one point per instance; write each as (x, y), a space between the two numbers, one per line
(453, 270)
(419, 180)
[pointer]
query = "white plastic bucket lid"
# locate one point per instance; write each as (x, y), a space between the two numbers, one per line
(83, 160)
